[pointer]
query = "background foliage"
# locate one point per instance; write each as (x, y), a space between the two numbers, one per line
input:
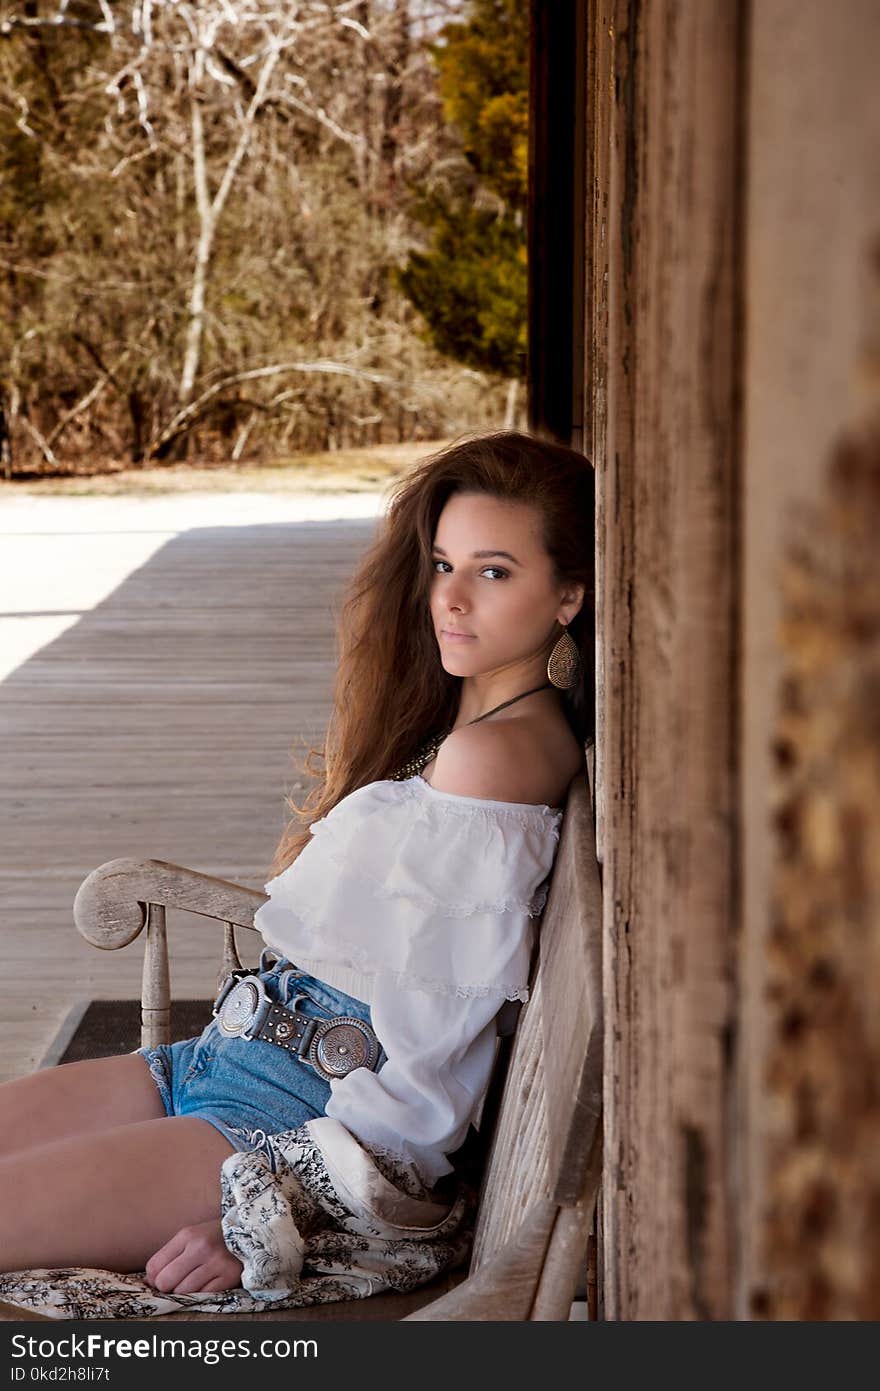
(229, 230)
(471, 285)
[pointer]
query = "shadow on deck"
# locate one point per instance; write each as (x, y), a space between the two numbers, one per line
(160, 725)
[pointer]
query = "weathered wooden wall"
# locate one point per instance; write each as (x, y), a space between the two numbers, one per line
(661, 412)
(732, 409)
(808, 1101)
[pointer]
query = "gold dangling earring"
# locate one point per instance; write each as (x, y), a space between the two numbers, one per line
(564, 665)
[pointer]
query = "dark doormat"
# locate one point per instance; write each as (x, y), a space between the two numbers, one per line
(109, 1027)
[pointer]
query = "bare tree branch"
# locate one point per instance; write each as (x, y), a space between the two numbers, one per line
(184, 417)
(234, 173)
(41, 443)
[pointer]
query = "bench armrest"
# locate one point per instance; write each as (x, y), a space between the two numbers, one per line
(121, 898)
(110, 906)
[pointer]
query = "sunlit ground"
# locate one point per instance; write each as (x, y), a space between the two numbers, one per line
(344, 470)
(61, 556)
(66, 544)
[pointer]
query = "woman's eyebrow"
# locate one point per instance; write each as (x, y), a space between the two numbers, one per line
(485, 555)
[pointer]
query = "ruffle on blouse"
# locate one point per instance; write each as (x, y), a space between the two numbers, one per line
(433, 890)
(453, 855)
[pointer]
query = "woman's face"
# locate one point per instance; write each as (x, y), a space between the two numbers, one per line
(493, 583)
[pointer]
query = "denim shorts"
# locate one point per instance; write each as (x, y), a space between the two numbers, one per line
(249, 1089)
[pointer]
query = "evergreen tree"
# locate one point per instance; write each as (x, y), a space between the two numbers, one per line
(470, 284)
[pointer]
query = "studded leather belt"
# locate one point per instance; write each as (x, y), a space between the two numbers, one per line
(333, 1047)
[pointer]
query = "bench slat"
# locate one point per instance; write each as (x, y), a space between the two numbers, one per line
(550, 1113)
(516, 1171)
(571, 986)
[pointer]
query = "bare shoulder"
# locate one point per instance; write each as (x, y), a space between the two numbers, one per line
(515, 760)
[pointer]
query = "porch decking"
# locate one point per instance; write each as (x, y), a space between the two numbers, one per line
(160, 725)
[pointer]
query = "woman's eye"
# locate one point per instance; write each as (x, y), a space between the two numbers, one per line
(497, 568)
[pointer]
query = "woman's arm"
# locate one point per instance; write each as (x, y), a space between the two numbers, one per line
(440, 1050)
(195, 1261)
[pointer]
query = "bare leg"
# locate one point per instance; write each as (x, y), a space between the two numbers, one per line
(75, 1099)
(109, 1200)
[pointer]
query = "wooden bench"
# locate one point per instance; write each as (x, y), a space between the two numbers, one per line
(542, 1170)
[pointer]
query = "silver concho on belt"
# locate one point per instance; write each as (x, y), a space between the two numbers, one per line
(340, 1045)
(242, 1007)
(336, 1046)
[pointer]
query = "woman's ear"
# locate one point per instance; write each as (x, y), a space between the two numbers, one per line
(571, 603)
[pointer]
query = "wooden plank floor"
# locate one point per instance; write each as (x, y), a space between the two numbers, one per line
(161, 724)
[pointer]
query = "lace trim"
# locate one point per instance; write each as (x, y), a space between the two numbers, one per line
(538, 819)
(548, 820)
(344, 952)
(380, 890)
(403, 1159)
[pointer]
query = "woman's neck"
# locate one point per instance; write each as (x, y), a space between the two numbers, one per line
(476, 703)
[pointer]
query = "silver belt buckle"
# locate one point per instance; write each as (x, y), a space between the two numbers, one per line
(340, 1045)
(244, 1007)
(336, 1047)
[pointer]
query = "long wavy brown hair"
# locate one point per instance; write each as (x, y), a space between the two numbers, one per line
(391, 691)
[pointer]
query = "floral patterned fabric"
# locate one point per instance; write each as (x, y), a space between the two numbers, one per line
(315, 1217)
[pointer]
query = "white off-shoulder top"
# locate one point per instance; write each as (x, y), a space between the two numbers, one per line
(421, 903)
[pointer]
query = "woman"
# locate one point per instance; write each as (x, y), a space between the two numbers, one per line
(408, 920)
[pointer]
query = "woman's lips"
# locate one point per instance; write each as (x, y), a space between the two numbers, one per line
(456, 637)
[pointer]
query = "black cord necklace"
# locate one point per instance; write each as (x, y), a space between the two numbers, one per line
(545, 686)
(428, 751)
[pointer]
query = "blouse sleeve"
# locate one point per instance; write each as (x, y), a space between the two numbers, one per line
(417, 1107)
(433, 897)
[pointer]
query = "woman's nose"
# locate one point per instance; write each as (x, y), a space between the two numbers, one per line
(454, 595)
(456, 600)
